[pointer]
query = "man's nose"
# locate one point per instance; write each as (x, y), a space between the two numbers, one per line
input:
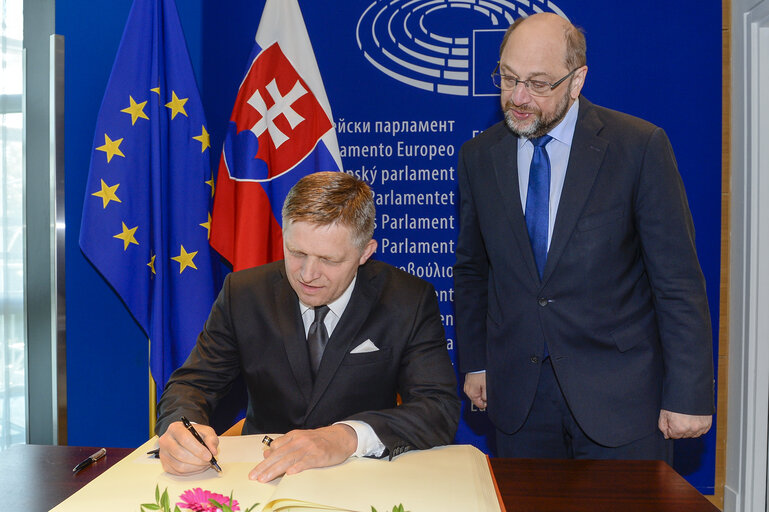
(310, 269)
(520, 94)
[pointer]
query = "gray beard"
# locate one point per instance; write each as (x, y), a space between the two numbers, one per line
(541, 125)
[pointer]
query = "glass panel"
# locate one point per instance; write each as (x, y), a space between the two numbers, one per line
(13, 423)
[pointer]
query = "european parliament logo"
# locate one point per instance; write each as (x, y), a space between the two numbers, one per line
(443, 46)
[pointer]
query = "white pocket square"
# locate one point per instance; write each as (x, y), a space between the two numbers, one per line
(366, 346)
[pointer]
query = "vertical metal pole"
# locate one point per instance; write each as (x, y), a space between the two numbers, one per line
(59, 365)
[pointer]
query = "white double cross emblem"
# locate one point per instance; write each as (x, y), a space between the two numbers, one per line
(282, 105)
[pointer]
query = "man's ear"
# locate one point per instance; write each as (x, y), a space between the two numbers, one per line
(367, 251)
(578, 82)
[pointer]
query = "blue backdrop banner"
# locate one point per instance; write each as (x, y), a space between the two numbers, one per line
(408, 82)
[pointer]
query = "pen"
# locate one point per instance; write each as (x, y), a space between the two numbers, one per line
(90, 460)
(195, 434)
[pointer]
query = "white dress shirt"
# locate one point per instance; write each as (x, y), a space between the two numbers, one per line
(369, 443)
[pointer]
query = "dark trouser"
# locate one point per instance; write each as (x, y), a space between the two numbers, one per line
(551, 432)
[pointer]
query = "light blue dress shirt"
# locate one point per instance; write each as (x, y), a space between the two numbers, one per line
(558, 151)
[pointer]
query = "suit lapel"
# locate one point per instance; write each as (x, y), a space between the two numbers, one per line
(587, 153)
(504, 157)
(345, 333)
(292, 332)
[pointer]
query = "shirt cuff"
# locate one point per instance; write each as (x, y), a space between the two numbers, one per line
(369, 444)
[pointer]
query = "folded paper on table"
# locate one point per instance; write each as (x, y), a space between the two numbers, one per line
(445, 478)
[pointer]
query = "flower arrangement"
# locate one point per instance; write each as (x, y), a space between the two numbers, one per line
(200, 500)
(196, 500)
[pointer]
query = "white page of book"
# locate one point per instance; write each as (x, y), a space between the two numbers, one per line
(441, 479)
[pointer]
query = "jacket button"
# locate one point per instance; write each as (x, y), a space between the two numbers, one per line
(542, 301)
(534, 359)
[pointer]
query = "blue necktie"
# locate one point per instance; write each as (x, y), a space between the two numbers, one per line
(538, 201)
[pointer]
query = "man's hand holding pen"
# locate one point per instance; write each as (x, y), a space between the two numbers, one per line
(182, 454)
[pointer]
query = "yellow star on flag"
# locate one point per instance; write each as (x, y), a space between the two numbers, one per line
(207, 225)
(204, 139)
(136, 110)
(176, 105)
(111, 147)
(185, 259)
(210, 183)
(127, 236)
(156, 90)
(107, 193)
(151, 264)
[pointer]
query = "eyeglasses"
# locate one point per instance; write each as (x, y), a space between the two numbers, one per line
(535, 87)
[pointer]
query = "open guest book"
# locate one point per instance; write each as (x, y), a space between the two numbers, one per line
(446, 478)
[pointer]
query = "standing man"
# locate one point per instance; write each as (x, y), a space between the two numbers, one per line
(326, 340)
(582, 319)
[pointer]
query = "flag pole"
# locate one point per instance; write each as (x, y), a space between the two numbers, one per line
(153, 406)
(153, 403)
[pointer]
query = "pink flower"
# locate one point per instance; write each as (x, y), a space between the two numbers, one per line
(198, 500)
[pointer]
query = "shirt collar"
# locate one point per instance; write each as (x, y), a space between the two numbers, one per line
(563, 131)
(339, 305)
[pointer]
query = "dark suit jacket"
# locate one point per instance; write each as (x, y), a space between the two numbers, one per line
(255, 328)
(622, 302)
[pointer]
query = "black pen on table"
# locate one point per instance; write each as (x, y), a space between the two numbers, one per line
(89, 460)
(195, 434)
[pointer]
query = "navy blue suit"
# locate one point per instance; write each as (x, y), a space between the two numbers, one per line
(622, 303)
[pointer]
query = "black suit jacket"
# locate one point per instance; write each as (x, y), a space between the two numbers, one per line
(255, 328)
(622, 302)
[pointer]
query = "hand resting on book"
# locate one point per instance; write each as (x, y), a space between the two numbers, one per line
(304, 449)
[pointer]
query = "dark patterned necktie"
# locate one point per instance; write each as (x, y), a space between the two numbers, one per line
(317, 338)
(538, 201)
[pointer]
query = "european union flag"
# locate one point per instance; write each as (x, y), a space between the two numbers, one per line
(147, 208)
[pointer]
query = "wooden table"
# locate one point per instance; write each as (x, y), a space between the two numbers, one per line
(595, 485)
(35, 478)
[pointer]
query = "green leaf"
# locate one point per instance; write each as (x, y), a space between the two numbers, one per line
(157, 493)
(164, 501)
(151, 506)
(373, 509)
(252, 507)
(177, 509)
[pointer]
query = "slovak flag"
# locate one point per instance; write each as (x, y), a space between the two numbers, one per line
(280, 130)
